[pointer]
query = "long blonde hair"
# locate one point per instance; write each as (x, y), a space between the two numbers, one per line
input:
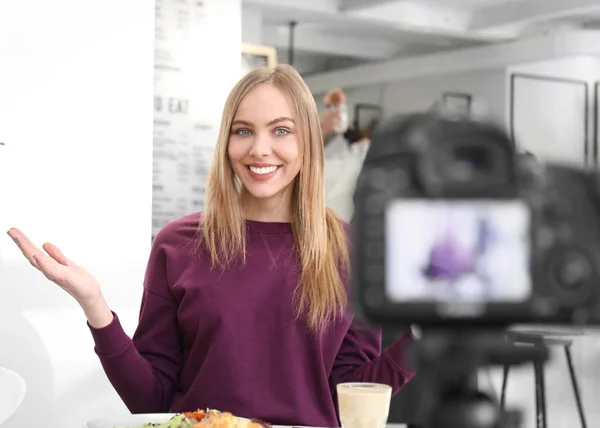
(321, 242)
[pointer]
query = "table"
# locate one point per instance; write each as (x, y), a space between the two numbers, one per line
(387, 426)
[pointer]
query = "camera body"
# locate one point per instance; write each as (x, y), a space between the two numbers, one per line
(453, 227)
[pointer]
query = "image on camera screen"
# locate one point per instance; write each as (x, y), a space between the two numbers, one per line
(457, 251)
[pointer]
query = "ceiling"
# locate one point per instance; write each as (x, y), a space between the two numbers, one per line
(332, 34)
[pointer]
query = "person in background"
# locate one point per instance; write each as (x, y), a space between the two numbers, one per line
(334, 124)
(245, 305)
(341, 164)
(345, 150)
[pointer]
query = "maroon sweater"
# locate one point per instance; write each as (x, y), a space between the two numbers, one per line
(230, 341)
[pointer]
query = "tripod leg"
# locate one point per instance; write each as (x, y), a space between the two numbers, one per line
(575, 386)
(505, 373)
(540, 394)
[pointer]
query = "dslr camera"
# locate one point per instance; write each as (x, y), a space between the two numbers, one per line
(453, 227)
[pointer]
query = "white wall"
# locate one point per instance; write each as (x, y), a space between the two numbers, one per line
(491, 98)
(76, 85)
(76, 114)
(418, 94)
(252, 25)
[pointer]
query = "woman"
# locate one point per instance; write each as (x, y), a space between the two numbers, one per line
(244, 305)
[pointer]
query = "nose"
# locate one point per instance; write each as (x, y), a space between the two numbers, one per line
(261, 145)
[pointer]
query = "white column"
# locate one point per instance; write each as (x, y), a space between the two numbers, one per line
(76, 85)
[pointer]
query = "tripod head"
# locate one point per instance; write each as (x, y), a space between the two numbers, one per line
(449, 362)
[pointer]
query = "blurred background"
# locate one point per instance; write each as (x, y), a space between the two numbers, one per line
(109, 112)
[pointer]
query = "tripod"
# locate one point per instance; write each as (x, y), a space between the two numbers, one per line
(448, 362)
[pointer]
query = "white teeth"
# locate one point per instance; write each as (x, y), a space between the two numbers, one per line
(264, 170)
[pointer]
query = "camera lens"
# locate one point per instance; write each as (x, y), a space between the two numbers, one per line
(572, 275)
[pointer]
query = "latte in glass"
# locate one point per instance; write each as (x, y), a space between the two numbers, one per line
(364, 405)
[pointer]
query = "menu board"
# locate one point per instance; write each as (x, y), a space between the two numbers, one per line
(184, 132)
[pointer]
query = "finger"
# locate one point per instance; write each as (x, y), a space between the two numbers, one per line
(14, 233)
(38, 259)
(25, 245)
(56, 254)
(50, 268)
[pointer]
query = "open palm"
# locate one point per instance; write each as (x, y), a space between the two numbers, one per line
(57, 268)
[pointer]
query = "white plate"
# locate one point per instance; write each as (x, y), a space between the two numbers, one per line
(12, 393)
(133, 421)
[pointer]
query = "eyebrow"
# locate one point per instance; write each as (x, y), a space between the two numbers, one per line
(273, 122)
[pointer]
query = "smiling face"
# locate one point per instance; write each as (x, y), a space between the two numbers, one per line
(263, 147)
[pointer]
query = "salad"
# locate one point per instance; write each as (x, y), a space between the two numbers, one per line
(208, 418)
(183, 420)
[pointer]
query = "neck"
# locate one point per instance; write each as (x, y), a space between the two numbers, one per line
(273, 210)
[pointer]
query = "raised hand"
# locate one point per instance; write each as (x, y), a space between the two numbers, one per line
(68, 275)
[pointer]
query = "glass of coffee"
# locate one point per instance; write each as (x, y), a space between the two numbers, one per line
(364, 405)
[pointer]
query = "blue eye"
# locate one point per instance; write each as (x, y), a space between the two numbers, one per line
(281, 132)
(242, 132)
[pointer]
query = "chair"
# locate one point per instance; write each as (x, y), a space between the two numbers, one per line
(12, 393)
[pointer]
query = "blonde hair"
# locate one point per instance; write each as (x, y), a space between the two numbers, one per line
(321, 242)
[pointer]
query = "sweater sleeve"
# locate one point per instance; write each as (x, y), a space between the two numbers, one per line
(144, 370)
(360, 359)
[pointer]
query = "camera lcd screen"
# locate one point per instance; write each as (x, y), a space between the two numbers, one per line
(457, 251)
